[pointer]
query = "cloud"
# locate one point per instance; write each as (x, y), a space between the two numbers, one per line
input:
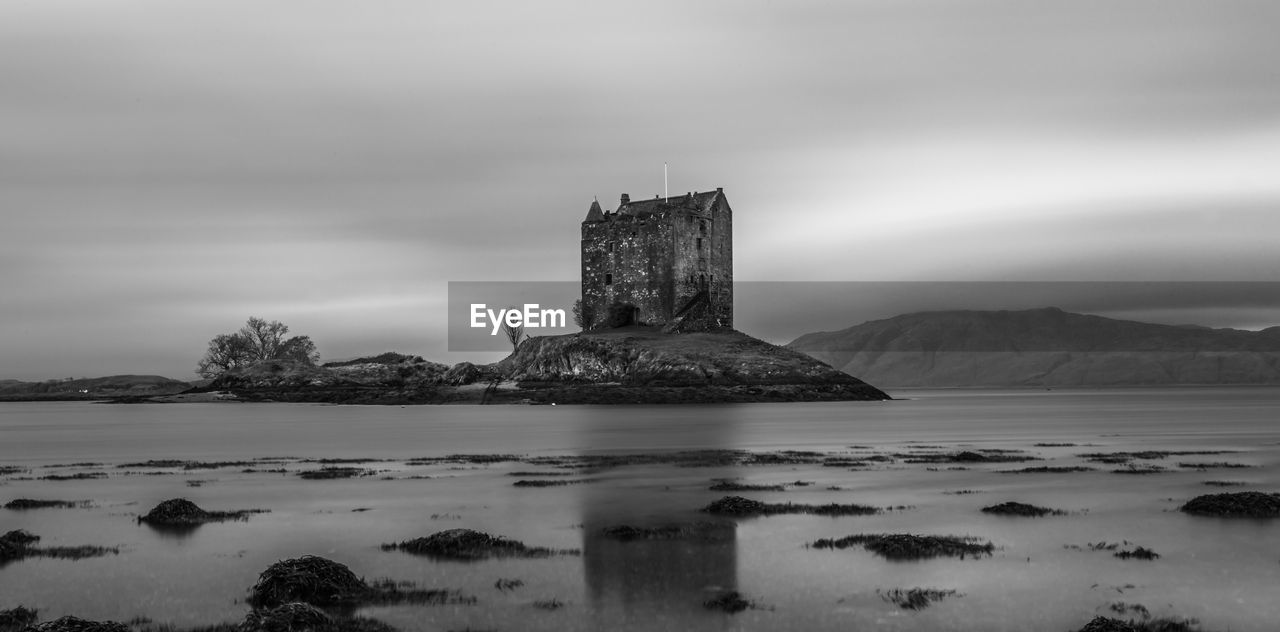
(175, 167)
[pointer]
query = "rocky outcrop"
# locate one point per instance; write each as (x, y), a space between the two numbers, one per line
(1043, 347)
(645, 365)
(632, 365)
(410, 380)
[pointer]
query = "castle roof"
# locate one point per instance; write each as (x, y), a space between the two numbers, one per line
(595, 214)
(701, 202)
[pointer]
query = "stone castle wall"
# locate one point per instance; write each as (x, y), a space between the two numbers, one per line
(658, 255)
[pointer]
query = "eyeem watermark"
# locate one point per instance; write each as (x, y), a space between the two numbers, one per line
(532, 316)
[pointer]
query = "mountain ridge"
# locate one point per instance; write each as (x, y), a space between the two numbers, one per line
(1043, 347)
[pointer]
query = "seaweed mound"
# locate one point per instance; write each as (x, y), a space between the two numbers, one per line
(176, 511)
(903, 546)
(736, 506)
(76, 624)
(1139, 553)
(300, 617)
(739, 506)
(16, 618)
(1012, 508)
(469, 545)
(730, 602)
(14, 544)
(17, 544)
(20, 504)
(1106, 624)
(286, 618)
(19, 537)
(322, 582)
(180, 513)
(309, 579)
(1235, 505)
(916, 598)
(706, 531)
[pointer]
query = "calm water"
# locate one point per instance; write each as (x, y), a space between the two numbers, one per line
(1223, 572)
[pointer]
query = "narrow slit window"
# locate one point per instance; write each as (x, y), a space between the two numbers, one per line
(608, 278)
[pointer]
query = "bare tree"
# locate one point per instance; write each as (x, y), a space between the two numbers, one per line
(226, 351)
(258, 340)
(514, 334)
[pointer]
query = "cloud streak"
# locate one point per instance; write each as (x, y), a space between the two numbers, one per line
(173, 168)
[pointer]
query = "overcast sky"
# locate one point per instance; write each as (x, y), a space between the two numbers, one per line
(169, 168)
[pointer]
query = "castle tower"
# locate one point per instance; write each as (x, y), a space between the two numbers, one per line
(670, 259)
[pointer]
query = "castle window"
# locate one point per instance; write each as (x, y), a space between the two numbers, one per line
(699, 243)
(702, 226)
(702, 280)
(608, 279)
(611, 246)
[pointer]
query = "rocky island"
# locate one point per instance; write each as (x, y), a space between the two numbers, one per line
(629, 365)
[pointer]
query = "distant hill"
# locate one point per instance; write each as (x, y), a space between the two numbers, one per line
(91, 388)
(1043, 347)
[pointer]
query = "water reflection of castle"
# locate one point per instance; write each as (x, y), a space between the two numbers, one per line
(656, 584)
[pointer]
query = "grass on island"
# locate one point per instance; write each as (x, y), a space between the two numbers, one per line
(289, 617)
(180, 512)
(22, 504)
(731, 602)
(981, 456)
(1136, 468)
(1235, 505)
(1139, 553)
(1114, 458)
(1115, 548)
(904, 546)
(78, 476)
(1049, 469)
(466, 545)
(552, 482)
(746, 507)
(19, 544)
(1162, 624)
(323, 582)
(700, 531)
(1021, 509)
(76, 624)
(503, 584)
(17, 618)
(1216, 465)
(916, 598)
(328, 473)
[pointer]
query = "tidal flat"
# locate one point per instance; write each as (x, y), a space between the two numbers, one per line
(645, 556)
